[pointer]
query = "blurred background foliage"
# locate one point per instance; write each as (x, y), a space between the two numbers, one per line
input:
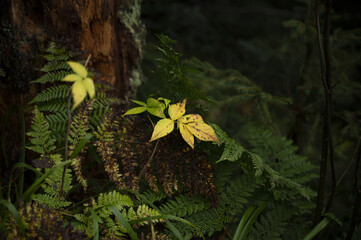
(259, 61)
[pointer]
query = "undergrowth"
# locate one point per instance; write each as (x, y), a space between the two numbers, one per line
(99, 176)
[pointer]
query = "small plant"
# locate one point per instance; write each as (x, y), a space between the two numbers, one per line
(189, 125)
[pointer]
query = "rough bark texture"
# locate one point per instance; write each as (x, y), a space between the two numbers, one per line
(109, 30)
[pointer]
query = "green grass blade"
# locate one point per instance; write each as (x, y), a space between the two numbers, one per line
(251, 220)
(81, 145)
(316, 230)
(124, 222)
(15, 214)
(169, 224)
(22, 165)
(38, 181)
(243, 222)
(145, 219)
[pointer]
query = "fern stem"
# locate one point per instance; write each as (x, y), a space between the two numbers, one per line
(66, 144)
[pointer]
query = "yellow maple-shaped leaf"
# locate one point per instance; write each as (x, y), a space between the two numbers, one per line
(79, 92)
(186, 134)
(202, 131)
(89, 86)
(78, 69)
(162, 128)
(177, 110)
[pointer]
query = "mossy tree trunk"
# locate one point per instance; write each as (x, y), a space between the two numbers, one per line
(109, 30)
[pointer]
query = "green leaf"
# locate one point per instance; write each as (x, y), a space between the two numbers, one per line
(38, 181)
(316, 230)
(153, 103)
(124, 222)
(155, 107)
(136, 110)
(251, 220)
(166, 101)
(81, 145)
(243, 222)
(139, 103)
(156, 112)
(15, 214)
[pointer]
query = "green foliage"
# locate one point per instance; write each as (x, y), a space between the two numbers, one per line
(53, 99)
(173, 72)
(105, 216)
(40, 136)
(271, 225)
(42, 222)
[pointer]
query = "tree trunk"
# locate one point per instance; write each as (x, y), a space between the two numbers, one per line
(109, 30)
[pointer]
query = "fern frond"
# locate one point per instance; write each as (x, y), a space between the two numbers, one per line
(60, 92)
(40, 137)
(184, 205)
(271, 225)
(50, 200)
(105, 147)
(53, 183)
(153, 196)
(55, 107)
(113, 198)
(55, 66)
(51, 77)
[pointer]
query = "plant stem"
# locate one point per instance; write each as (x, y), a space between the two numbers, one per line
(148, 162)
(327, 145)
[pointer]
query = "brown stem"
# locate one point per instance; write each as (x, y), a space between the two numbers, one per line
(325, 66)
(148, 162)
(328, 72)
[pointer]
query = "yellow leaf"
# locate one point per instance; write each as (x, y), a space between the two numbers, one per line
(202, 131)
(190, 118)
(72, 78)
(89, 86)
(78, 69)
(186, 134)
(79, 93)
(162, 128)
(177, 110)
